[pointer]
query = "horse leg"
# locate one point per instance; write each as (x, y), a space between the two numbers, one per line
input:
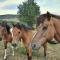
(12, 50)
(29, 53)
(45, 49)
(5, 52)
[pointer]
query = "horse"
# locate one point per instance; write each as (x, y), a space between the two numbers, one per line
(21, 31)
(49, 28)
(6, 36)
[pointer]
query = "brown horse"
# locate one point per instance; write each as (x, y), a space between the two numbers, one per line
(6, 36)
(48, 29)
(21, 31)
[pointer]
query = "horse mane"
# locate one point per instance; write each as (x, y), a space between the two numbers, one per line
(4, 24)
(48, 15)
(52, 15)
(23, 26)
(56, 16)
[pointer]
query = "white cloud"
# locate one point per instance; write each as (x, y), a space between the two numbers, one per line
(17, 2)
(10, 2)
(13, 11)
(7, 3)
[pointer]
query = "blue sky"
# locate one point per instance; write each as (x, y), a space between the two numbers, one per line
(10, 6)
(52, 6)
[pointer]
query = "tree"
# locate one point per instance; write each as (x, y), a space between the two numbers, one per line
(28, 11)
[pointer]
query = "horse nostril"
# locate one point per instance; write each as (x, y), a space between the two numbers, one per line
(14, 45)
(33, 46)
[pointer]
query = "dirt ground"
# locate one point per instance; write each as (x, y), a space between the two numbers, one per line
(53, 53)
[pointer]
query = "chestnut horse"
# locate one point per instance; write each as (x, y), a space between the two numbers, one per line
(6, 36)
(21, 31)
(48, 29)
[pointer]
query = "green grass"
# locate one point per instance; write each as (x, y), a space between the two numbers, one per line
(53, 52)
(22, 51)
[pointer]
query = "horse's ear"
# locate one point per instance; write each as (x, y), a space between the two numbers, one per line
(48, 16)
(13, 25)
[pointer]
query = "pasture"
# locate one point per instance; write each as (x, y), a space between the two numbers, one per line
(53, 53)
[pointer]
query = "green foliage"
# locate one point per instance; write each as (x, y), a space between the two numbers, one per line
(28, 11)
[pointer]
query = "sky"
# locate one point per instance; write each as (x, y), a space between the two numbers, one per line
(10, 6)
(52, 6)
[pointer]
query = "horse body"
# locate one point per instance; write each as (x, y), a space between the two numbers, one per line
(48, 29)
(6, 36)
(24, 33)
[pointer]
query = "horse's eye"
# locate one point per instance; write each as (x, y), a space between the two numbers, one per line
(45, 28)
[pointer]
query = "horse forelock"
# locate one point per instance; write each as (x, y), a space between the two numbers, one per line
(22, 26)
(19, 26)
(5, 25)
(8, 28)
(42, 18)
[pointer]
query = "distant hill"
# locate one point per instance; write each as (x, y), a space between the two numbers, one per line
(8, 16)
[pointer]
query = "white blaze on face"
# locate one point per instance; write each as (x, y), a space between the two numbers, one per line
(11, 31)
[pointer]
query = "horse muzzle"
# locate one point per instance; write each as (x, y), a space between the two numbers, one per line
(35, 46)
(14, 45)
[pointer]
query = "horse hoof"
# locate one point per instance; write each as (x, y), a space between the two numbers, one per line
(12, 54)
(45, 57)
(5, 58)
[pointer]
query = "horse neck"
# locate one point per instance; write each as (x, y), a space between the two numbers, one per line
(56, 23)
(26, 35)
(57, 28)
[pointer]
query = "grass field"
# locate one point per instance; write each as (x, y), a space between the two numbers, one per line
(53, 53)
